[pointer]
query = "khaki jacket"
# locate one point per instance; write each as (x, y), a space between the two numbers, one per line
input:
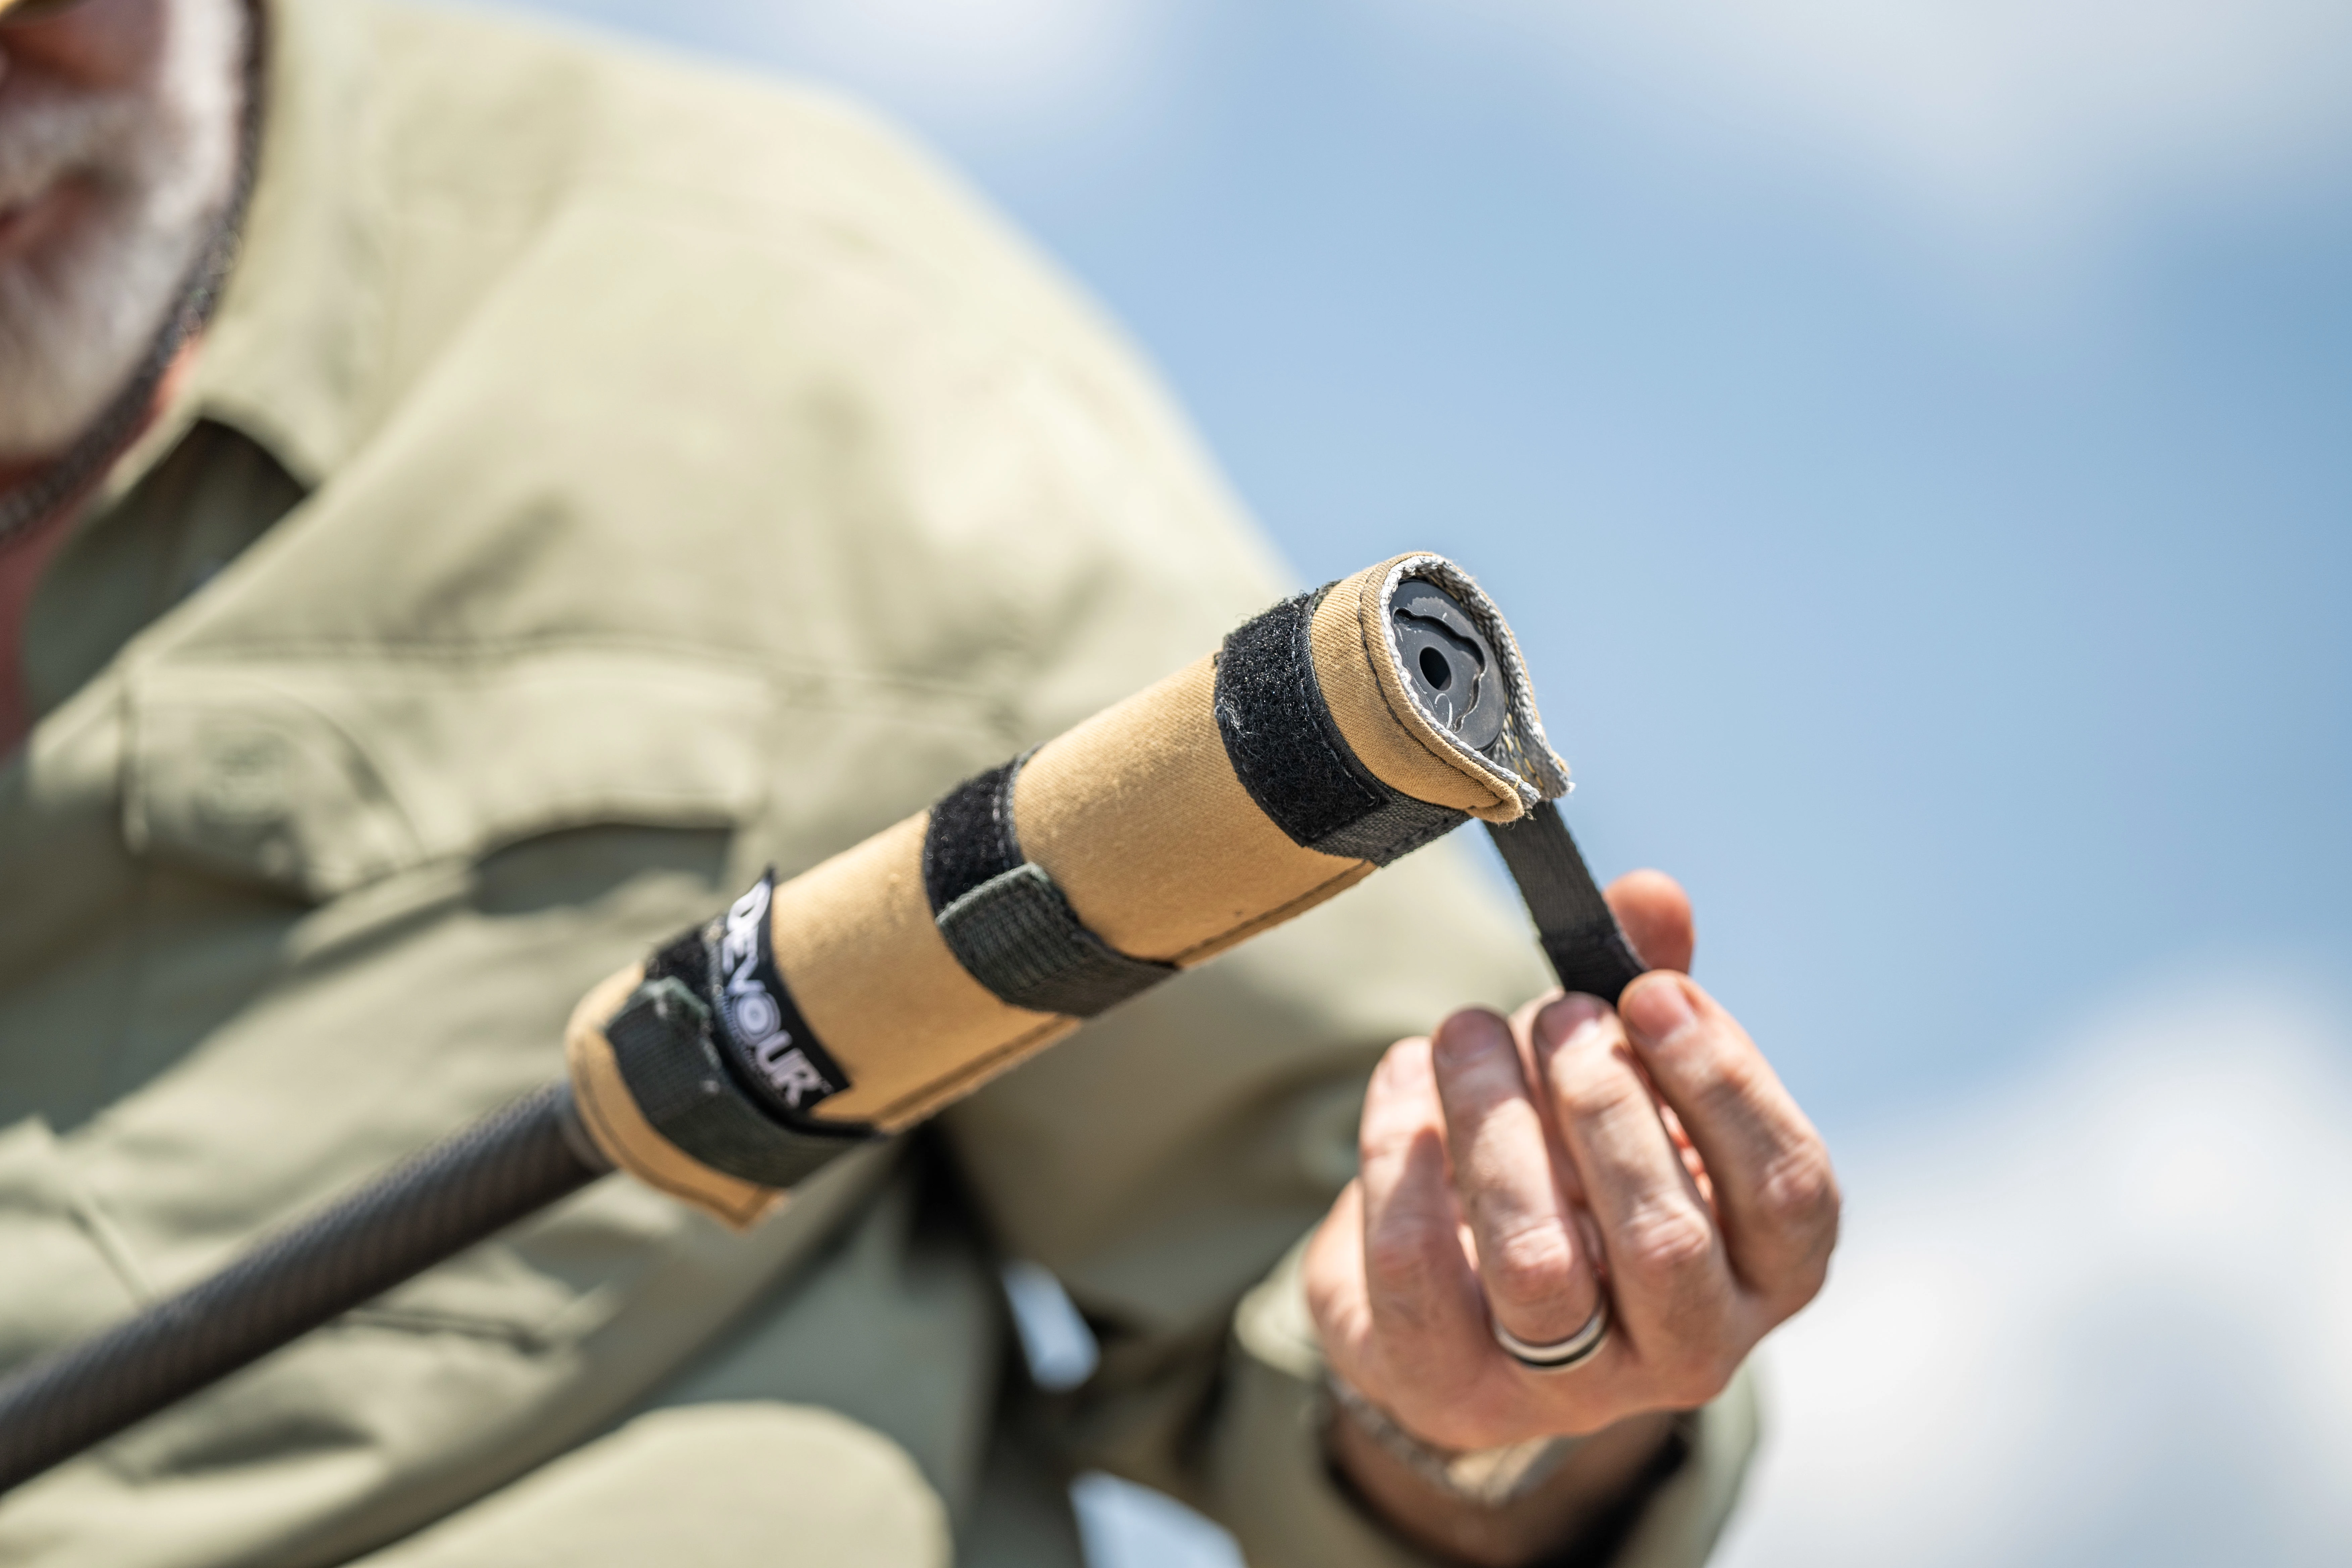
(604, 480)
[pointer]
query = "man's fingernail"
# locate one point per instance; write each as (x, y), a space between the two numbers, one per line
(1658, 1010)
(1565, 1019)
(1468, 1035)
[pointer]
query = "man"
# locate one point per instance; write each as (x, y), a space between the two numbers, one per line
(473, 500)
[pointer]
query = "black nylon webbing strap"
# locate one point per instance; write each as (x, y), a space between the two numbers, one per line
(1579, 934)
(1006, 921)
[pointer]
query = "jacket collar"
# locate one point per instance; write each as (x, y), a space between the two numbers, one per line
(288, 356)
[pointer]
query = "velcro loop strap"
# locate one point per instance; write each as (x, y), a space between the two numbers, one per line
(663, 1045)
(1290, 754)
(1019, 937)
(1006, 921)
(1578, 931)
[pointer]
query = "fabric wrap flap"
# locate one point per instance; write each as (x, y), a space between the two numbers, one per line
(320, 774)
(662, 1042)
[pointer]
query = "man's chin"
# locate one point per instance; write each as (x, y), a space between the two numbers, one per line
(45, 222)
(66, 341)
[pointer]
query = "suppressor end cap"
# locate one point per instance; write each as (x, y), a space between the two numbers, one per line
(1450, 667)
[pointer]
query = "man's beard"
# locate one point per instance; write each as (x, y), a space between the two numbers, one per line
(158, 161)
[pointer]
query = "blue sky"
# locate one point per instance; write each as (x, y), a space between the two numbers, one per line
(1914, 441)
(1929, 527)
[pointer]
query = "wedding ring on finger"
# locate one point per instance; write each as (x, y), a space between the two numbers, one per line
(1559, 1356)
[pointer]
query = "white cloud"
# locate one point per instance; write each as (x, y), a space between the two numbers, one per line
(2103, 1314)
(2014, 114)
(2020, 126)
(987, 66)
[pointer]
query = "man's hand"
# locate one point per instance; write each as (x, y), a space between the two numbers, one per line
(1522, 1169)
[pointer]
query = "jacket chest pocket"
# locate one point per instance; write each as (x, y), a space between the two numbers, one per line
(319, 777)
(67, 1272)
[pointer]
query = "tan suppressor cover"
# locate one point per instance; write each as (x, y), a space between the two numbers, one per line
(1143, 824)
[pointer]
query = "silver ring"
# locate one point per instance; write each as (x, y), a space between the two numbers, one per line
(1574, 1351)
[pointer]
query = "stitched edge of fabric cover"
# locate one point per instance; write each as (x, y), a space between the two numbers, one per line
(1522, 756)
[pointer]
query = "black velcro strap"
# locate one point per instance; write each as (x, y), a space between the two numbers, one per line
(970, 838)
(1002, 917)
(1290, 754)
(1579, 934)
(662, 1042)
